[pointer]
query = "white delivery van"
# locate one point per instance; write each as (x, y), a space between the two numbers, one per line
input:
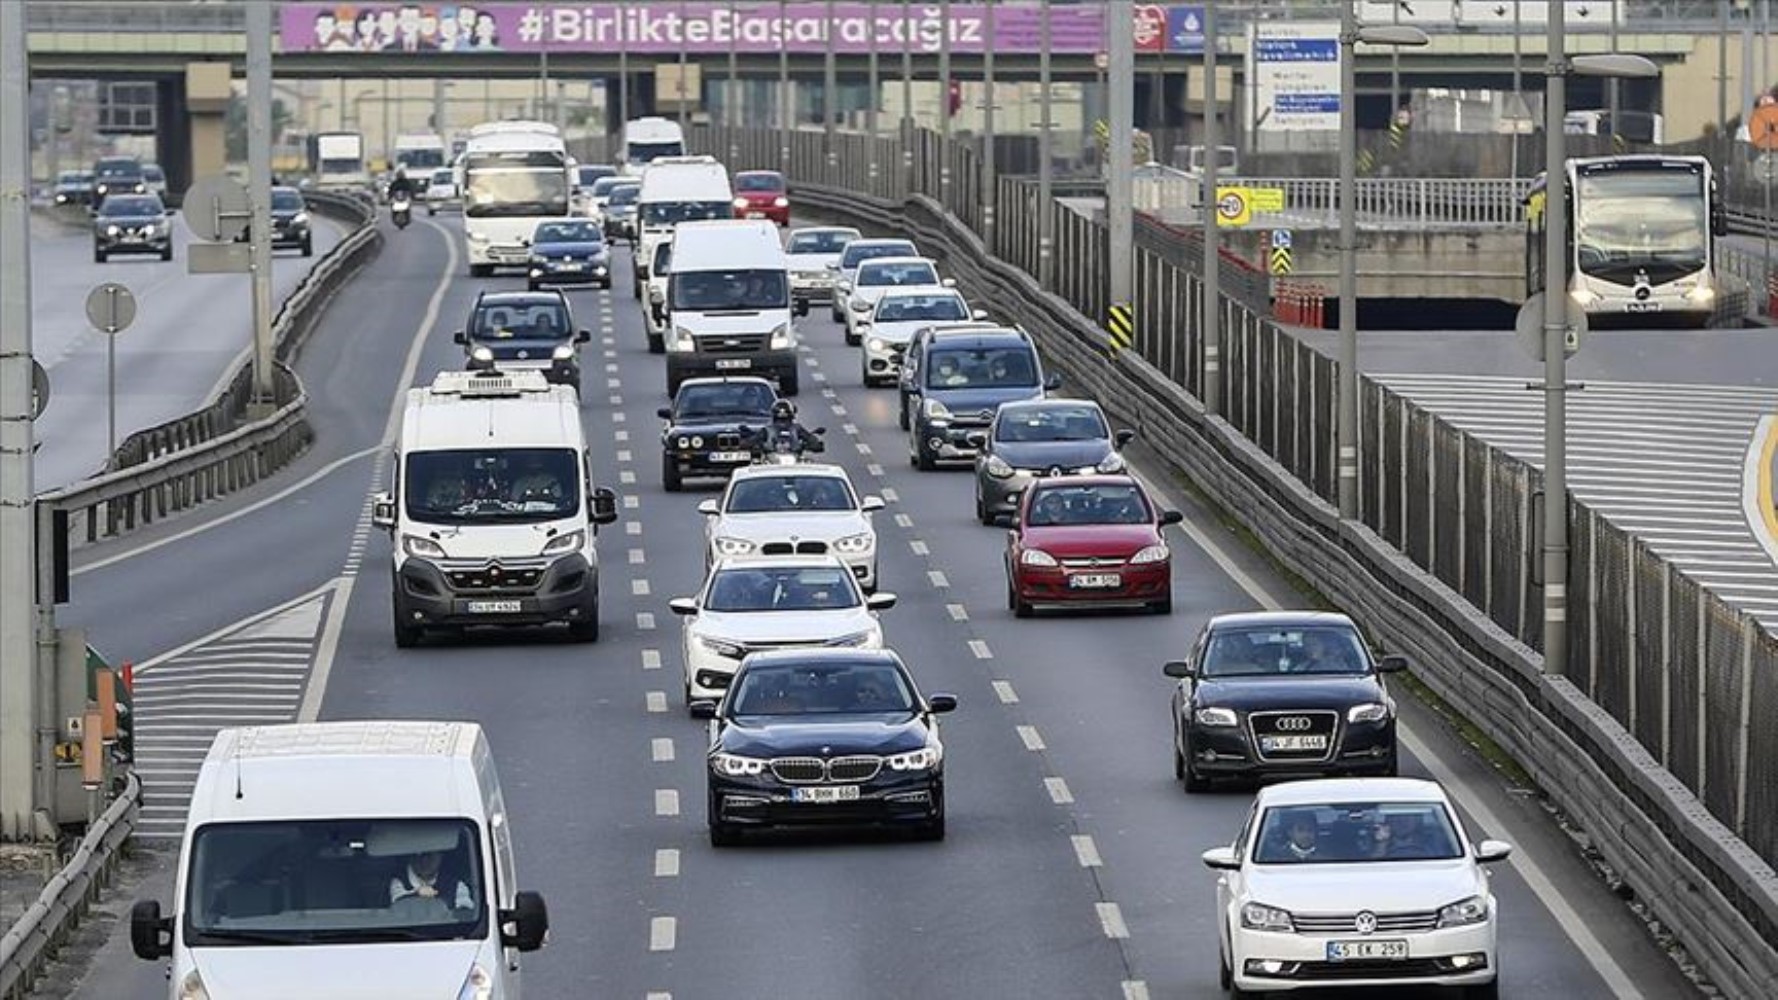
(493, 513)
(352, 860)
(647, 139)
(728, 304)
(677, 189)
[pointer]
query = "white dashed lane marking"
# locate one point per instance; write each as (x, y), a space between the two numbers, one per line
(980, 648)
(1112, 920)
(666, 802)
(863, 448)
(903, 521)
(919, 548)
(666, 864)
(621, 437)
(616, 400)
(938, 578)
(889, 494)
(639, 588)
(645, 621)
(877, 471)
(1135, 989)
(958, 612)
(632, 527)
(623, 455)
(651, 659)
(1029, 736)
(661, 749)
(626, 477)
(636, 557)
(1086, 851)
(656, 701)
(663, 934)
(1003, 690)
(851, 429)
(1058, 789)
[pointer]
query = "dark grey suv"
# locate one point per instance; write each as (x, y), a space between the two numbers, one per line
(1036, 438)
(132, 223)
(955, 381)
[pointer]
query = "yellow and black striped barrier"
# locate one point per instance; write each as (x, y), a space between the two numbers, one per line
(1121, 325)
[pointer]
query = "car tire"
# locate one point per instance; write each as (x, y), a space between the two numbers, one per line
(852, 338)
(838, 316)
(673, 386)
(98, 256)
(308, 246)
(934, 828)
(1393, 768)
(787, 383)
(167, 254)
(430, 210)
(587, 628)
(406, 636)
(923, 459)
(982, 515)
(671, 478)
(1489, 990)
(636, 289)
(481, 270)
(724, 835)
(1019, 607)
(1194, 782)
(656, 344)
(1178, 762)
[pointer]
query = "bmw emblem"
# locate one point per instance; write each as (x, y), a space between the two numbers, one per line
(1365, 922)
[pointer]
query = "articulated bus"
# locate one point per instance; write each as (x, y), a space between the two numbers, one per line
(1641, 239)
(512, 175)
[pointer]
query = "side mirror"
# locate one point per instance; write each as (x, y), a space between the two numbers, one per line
(834, 268)
(460, 337)
(1490, 851)
(879, 602)
(939, 704)
(800, 307)
(583, 336)
(604, 505)
(683, 605)
(665, 413)
(1178, 668)
(151, 935)
(382, 511)
(709, 508)
(1123, 437)
(1221, 859)
(701, 708)
(1394, 663)
(976, 439)
(525, 926)
(1171, 517)
(978, 314)
(949, 282)
(1052, 382)
(871, 503)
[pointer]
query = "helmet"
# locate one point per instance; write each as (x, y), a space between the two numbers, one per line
(783, 409)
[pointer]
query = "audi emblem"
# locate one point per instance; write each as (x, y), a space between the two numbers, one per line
(1365, 922)
(1293, 724)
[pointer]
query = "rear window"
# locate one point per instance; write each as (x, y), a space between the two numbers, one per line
(759, 182)
(821, 241)
(897, 274)
(625, 194)
(856, 254)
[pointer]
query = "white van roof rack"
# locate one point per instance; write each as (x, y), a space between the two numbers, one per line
(488, 384)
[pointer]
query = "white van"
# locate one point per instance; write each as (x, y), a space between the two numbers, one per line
(654, 310)
(493, 512)
(677, 189)
(728, 308)
(646, 139)
(353, 860)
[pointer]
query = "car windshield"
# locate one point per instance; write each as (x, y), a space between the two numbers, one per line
(897, 274)
(604, 185)
(711, 291)
(1050, 423)
(335, 881)
(624, 194)
(75, 177)
(1356, 832)
(767, 494)
(153, 174)
(647, 152)
(593, 175)
(286, 200)
(724, 399)
(662, 213)
(543, 320)
(131, 205)
(493, 191)
(510, 485)
(782, 588)
(112, 171)
(902, 308)
(444, 176)
(982, 368)
(765, 181)
(1284, 652)
(857, 253)
(821, 241)
(1110, 503)
(568, 232)
(821, 689)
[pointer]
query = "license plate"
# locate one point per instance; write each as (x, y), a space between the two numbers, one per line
(756, 215)
(1345, 951)
(731, 363)
(572, 267)
(730, 456)
(1096, 580)
(494, 607)
(1270, 743)
(822, 794)
(1642, 307)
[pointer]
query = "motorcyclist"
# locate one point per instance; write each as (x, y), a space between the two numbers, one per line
(784, 428)
(401, 187)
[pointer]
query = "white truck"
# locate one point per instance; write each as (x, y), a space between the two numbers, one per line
(337, 161)
(420, 153)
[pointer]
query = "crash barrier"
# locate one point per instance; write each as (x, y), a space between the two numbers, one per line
(226, 445)
(66, 899)
(1649, 744)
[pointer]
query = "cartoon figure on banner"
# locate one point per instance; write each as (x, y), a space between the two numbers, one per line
(388, 29)
(408, 24)
(449, 39)
(487, 33)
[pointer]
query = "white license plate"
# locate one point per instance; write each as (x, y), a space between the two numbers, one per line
(730, 456)
(1086, 581)
(822, 794)
(572, 267)
(1642, 307)
(1345, 951)
(1270, 743)
(756, 215)
(731, 363)
(495, 607)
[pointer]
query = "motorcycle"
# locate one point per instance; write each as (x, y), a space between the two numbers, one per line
(782, 446)
(401, 210)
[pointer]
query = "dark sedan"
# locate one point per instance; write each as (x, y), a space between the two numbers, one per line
(290, 223)
(1293, 694)
(73, 187)
(1041, 437)
(569, 252)
(818, 737)
(132, 223)
(620, 213)
(703, 435)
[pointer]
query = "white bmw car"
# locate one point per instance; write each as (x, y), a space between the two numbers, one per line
(1356, 882)
(781, 510)
(754, 603)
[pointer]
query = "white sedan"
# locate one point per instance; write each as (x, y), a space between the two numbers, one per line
(1356, 882)
(876, 278)
(754, 603)
(781, 510)
(892, 323)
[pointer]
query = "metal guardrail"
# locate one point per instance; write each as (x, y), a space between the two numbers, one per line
(65, 900)
(1395, 203)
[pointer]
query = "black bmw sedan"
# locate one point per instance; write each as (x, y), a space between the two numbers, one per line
(816, 737)
(1289, 693)
(708, 427)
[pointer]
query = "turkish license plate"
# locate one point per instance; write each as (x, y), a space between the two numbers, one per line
(1346, 951)
(730, 456)
(1271, 743)
(1642, 307)
(824, 794)
(1095, 581)
(494, 607)
(731, 363)
(756, 215)
(572, 267)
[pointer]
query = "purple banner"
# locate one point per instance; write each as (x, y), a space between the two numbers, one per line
(665, 27)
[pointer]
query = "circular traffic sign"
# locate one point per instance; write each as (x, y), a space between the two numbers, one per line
(216, 208)
(39, 389)
(1231, 206)
(110, 308)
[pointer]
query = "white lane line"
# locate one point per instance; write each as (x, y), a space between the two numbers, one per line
(1112, 920)
(658, 995)
(1029, 736)
(889, 493)
(623, 455)
(851, 429)
(877, 471)
(1135, 989)
(656, 701)
(631, 502)
(618, 417)
(938, 578)
(663, 933)
(620, 437)
(863, 448)
(644, 621)
(817, 376)
(636, 557)
(829, 394)
(838, 410)
(1058, 789)
(1086, 851)
(666, 865)
(980, 648)
(632, 527)
(919, 548)
(612, 367)
(626, 477)
(903, 521)
(639, 588)
(958, 612)
(614, 399)
(1003, 690)
(666, 802)
(651, 659)
(661, 749)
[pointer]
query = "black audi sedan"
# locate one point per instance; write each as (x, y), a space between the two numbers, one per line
(821, 737)
(1290, 693)
(703, 435)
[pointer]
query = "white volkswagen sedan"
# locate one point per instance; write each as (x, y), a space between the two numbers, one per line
(754, 603)
(898, 313)
(876, 278)
(781, 510)
(1355, 882)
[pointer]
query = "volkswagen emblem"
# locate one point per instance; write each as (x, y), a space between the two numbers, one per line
(1292, 724)
(1365, 922)
(524, 354)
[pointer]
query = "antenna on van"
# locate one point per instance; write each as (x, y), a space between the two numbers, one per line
(239, 794)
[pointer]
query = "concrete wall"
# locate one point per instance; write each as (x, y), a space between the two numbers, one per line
(1481, 264)
(1688, 91)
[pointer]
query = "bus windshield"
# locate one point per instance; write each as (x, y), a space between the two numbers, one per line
(492, 193)
(1652, 221)
(647, 152)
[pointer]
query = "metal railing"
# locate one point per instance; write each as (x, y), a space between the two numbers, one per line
(1397, 203)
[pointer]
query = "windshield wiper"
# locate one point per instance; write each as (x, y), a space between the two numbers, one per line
(257, 937)
(367, 934)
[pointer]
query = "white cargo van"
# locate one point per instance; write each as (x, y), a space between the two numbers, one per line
(351, 860)
(647, 139)
(728, 304)
(677, 189)
(493, 512)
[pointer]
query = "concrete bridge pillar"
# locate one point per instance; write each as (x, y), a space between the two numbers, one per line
(208, 87)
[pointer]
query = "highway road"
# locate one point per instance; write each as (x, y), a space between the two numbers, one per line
(188, 331)
(1071, 865)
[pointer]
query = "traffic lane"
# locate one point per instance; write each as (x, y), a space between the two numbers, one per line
(1130, 777)
(188, 330)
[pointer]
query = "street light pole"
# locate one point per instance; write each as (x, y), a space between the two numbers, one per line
(731, 93)
(944, 105)
(1212, 303)
(829, 103)
(1555, 354)
(1518, 91)
(259, 189)
(987, 180)
(785, 112)
(874, 83)
(907, 88)
(1046, 218)
(1120, 201)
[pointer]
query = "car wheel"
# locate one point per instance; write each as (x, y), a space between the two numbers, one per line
(670, 474)
(1194, 782)
(934, 828)
(923, 458)
(672, 386)
(787, 383)
(1224, 977)
(636, 289)
(1391, 769)
(587, 628)
(167, 254)
(981, 509)
(656, 344)
(838, 317)
(724, 835)
(852, 337)
(901, 418)
(308, 246)
(406, 636)
(98, 256)
(430, 210)
(1489, 990)
(1019, 607)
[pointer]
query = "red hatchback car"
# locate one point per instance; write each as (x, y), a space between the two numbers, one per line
(761, 194)
(1088, 540)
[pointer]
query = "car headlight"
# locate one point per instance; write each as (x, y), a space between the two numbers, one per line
(1464, 912)
(924, 759)
(877, 344)
(61, 198)
(1700, 293)
(478, 237)
(998, 468)
(780, 202)
(721, 647)
(1214, 717)
(192, 987)
(425, 548)
(563, 352)
(682, 339)
(781, 337)
(740, 203)
(734, 766)
(104, 188)
(1260, 917)
(1036, 557)
(1112, 463)
(1374, 711)
(536, 272)
(936, 410)
(869, 638)
(570, 542)
(697, 440)
(478, 985)
(112, 230)
(733, 546)
(482, 354)
(300, 219)
(1584, 296)
(854, 544)
(1151, 554)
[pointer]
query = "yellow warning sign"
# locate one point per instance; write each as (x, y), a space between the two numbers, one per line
(1280, 260)
(1121, 325)
(1236, 206)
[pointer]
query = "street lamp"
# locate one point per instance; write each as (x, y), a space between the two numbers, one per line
(1347, 434)
(1611, 65)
